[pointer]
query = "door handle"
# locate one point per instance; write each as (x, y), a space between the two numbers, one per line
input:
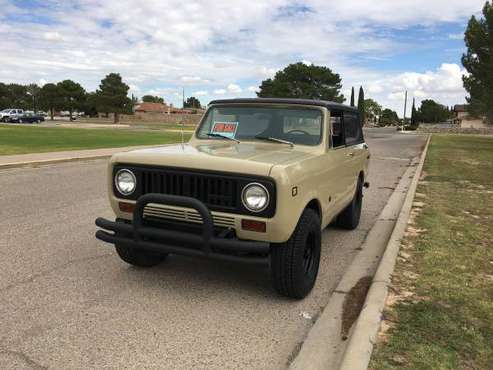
(350, 154)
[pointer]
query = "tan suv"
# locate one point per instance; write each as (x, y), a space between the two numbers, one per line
(256, 183)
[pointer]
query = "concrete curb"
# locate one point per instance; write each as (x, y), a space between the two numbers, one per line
(50, 161)
(59, 157)
(360, 347)
(323, 347)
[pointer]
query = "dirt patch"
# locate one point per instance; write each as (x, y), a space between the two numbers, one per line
(353, 303)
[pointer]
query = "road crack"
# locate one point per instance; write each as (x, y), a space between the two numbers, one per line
(25, 358)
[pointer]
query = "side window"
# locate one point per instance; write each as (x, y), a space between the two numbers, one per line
(352, 129)
(336, 127)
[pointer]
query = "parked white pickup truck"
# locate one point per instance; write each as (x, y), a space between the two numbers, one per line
(10, 115)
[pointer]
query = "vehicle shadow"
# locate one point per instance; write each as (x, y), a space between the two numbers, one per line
(191, 276)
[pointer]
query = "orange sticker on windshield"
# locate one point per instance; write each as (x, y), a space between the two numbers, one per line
(225, 128)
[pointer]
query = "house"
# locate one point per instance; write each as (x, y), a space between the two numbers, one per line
(160, 108)
(460, 111)
(151, 108)
(464, 120)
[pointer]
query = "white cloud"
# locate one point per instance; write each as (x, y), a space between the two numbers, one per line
(443, 85)
(375, 89)
(456, 36)
(252, 89)
(193, 80)
(135, 89)
(163, 45)
(234, 88)
(52, 36)
(200, 93)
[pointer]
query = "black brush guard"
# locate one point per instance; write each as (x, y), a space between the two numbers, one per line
(158, 239)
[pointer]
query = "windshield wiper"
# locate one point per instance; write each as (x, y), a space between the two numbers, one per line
(223, 137)
(275, 140)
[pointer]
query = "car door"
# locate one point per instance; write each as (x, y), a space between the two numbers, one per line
(356, 149)
(337, 174)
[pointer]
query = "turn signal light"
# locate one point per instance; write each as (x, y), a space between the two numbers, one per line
(126, 207)
(252, 225)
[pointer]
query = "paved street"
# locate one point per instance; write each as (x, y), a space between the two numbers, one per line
(67, 301)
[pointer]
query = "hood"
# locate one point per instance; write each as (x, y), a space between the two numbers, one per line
(248, 157)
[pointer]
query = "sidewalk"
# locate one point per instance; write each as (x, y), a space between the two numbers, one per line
(19, 160)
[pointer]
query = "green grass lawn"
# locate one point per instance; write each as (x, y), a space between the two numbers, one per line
(442, 315)
(29, 139)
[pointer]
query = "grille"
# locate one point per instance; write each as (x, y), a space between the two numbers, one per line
(219, 191)
(211, 190)
(185, 215)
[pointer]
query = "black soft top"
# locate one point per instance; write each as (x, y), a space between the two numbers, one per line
(320, 103)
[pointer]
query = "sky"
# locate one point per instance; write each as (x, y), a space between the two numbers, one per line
(225, 48)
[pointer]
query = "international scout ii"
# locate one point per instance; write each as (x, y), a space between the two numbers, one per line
(257, 182)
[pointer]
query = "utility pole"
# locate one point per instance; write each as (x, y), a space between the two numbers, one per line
(405, 108)
(182, 120)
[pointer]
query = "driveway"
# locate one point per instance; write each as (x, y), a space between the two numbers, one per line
(67, 301)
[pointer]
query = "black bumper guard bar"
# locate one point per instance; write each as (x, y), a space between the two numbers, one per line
(207, 245)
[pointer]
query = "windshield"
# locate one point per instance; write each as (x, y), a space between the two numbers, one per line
(301, 126)
(5, 110)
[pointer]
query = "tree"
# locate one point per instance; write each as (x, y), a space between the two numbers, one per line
(4, 96)
(50, 98)
(112, 96)
(192, 102)
(352, 96)
(361, 104)
(414, 121)
(432, 112)
(16, 97)
(373, 110)
(304, 82)
(72, 95)
(388, 117)
(89, 106)
(152, 99)
(478, 61)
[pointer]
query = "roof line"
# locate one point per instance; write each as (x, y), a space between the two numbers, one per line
(322, 103)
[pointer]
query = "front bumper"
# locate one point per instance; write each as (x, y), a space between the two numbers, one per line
(209, 243)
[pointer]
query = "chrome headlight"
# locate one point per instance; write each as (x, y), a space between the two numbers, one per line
(255, 197)
(125, 182)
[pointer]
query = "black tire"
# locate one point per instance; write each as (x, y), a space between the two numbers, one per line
(294, 264)
(350, 216)
(139, 258)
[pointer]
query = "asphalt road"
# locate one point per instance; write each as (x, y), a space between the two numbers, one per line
(67, 301)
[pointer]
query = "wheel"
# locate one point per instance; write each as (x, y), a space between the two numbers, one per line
(294, 264)
(139, 258)
(350, 216)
